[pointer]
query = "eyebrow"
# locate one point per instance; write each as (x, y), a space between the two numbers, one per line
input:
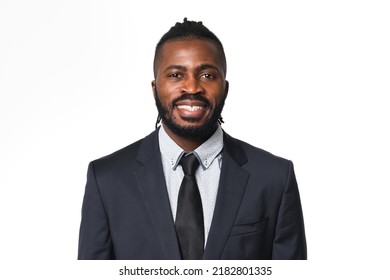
(178, 67)
(199, 68)
(207, 66)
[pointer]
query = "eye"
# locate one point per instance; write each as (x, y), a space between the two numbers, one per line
(174, 75)
(208, 76)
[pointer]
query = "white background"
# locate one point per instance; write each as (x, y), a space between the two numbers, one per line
(309, 81)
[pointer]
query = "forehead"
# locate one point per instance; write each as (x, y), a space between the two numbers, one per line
(188, 52)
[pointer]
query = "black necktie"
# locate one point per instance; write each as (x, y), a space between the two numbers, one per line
(189, 216)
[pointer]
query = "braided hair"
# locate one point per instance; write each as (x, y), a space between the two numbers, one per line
(190, 30)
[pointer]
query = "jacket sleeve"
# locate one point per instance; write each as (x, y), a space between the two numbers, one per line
(290, 241)
(94, 240)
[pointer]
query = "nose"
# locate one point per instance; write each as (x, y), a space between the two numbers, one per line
(191, 85)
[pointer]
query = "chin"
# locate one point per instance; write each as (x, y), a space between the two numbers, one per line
(190, 130)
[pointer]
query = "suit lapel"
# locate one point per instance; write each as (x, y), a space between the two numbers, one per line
(151, 182)
(232, 185)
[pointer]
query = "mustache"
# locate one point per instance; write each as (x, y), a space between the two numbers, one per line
(186, 96)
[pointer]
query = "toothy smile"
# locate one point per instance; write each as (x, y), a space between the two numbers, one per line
(190, 108)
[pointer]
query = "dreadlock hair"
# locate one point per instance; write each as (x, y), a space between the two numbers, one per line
(189, 30)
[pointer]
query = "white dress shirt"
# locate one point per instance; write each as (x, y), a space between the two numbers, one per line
(207, 175)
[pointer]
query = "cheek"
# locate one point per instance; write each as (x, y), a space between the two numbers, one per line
(162, 94)
(217, 97)
(166, 93)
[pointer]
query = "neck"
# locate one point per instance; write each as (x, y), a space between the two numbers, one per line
(186, 144)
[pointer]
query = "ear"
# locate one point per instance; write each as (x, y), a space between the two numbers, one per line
(226, 88)
(153, 83)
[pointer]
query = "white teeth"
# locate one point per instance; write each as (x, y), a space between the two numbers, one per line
(190, 108)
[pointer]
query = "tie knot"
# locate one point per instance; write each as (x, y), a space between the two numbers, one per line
(189, 164)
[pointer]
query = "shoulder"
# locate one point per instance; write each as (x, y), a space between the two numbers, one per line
(128, 156)
(252, 157)
(266, 169)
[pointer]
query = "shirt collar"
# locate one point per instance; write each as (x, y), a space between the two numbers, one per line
(206, 153)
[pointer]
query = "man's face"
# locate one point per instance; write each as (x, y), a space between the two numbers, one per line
(190, 87)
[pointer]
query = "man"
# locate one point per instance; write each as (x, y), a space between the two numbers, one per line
(189, 190)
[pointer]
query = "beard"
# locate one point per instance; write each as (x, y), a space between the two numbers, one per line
(198, 132)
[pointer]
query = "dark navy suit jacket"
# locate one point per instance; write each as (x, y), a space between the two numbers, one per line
(126, 212)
